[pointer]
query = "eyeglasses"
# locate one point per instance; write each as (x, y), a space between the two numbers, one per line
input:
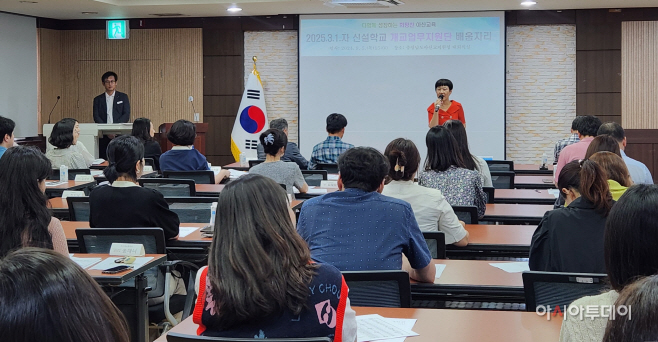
(109, 82)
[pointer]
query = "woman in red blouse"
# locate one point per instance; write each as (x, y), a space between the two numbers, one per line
(444, 109)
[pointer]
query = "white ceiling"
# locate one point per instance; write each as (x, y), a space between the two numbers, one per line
(107, 9)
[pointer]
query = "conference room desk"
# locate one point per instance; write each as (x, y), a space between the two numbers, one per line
(235, 166)
(523, 196)
(531, 169)
(100, 166)
(53, 191)
(494, 241)
(209, 190)
(454, 325)
(131, 300)
(534, 182)
(471, 280)
(515, 213)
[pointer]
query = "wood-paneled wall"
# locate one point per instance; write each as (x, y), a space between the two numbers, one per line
(158, 69)
(640, 74)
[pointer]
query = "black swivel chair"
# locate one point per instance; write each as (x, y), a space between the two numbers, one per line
(379, 288)
(500, 165)
(330, 168)
(466, 213)
(253, 163)
(191, 209)
(170, 187)
(78, 208)
(502, 179)
(436, 242)
(314, 177)
(560, 289)
(178, 337)
(199, 177)
(490, 191)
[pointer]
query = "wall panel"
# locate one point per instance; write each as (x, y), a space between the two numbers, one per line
(640, 74)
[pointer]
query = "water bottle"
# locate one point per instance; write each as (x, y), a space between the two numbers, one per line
(63, 173)
(213, 213)
(544, 160)
(243, 160)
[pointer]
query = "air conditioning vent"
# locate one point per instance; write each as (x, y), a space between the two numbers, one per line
(168, 14)
(364, 3)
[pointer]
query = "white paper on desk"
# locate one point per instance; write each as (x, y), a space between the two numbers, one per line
(215, 169)
(185, 231)
(96, 172)
(554, 192)
(98, 161)
(237, 173)
(109, 263)
(376, 327)
(316, 191)
(511, 267)
(405, 323)
(85, 262)
(55, 183)
(439, 270)
(333, 177)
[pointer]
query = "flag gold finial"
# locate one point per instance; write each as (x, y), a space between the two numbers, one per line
(255, 72)
(255, 59)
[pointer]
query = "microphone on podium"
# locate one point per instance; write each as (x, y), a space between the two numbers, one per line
(436, 106)
(196, 115)
(51, 111)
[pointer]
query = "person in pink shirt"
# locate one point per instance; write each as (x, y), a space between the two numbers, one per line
(587, 128)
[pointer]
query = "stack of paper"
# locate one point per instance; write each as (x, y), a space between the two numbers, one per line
(185, 231)
(85, 262)
(237, 174)
(109, 263)
(378, 328)
(512, 267)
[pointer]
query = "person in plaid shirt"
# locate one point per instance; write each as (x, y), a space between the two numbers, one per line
(562, 143)
(327, 152)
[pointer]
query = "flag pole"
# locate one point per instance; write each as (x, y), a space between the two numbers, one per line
(255, 72)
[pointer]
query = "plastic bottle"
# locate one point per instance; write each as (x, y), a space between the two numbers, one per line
(63, 173)
(213, 213)
(243, 160)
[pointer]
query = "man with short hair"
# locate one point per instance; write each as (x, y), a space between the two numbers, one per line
(292, 153)
(7, 126)
(562, 143)
(639, 172)
(111, 106)
(587, 127)
(358, 228)
(327, 152)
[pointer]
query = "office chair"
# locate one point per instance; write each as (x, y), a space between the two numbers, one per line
(466, 213)
(191, 209)
(379, 288)
(78, 208)
(436, 242)
(314, 177)
(502, 179)
(199, 177)
(253, 163)
(490, 191)
(500, 165)
(170, 187)
(330, 168)
(560, 289)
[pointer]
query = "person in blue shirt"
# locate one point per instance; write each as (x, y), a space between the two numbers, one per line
(7, 126)
(327, 151)
(358, 228)
(639, 172)
(183, 156)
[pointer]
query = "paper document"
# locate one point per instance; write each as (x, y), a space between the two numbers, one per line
(85, 262)
(109, 263)
(554, 192)
(237, 173)
(511, 267)
(314, 191)
(376, 327)
(185, 231)
(333, 177)
(56, 183)
(439, 270)
(405, 323)
(98, 161)
(96, 173)
(216, 169)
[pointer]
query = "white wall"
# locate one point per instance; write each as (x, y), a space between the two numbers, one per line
(18, 72)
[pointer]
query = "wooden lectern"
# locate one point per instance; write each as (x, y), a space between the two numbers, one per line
(199, 142)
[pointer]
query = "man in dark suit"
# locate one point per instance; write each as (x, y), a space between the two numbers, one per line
(111, 101)
(292, 153)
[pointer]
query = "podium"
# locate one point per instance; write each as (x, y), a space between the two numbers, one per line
(89, 133)
(199, 141)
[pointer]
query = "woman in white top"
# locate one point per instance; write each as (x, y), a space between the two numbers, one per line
(68, 150)
(432, 211)
(472, 162)
(630, 239)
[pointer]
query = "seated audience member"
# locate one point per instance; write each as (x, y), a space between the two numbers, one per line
(570, 239)
(125, 204)
(292, 153)
(587, 128)
(471, 162)
(616, 172)
(445, 170)
(327, 152)
(260, 280)
(68, 150)
(144, 131)
(274, 143)
(183, 156)
(631, 237)
(603, 143)
(47, 297)
(562, 143)
(25, 220)
(639, 172)
(433, 213)
(358, 228)
(7, 126)
(639, 323)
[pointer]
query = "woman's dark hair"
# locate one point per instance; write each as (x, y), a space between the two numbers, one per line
(258, 265)
(639, 324)
(402, 152)
(588, 179)
(362, 168)
(603, 143)
(47, 297)
(443, 82)
(182, 133)
(631, 236)
(62, 134)
(458, 131)
(613, 166)
(272, 141)
(142, 129)
(24, 213)
(123, 153)
(442, 151)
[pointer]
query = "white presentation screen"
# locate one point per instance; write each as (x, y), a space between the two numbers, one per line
(380, 70)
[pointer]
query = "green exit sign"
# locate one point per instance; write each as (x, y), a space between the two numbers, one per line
(118, 29)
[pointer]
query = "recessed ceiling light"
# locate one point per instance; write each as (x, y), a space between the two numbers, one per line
(528, 3)
(28, 2)
(89, 12)
(234, 9)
